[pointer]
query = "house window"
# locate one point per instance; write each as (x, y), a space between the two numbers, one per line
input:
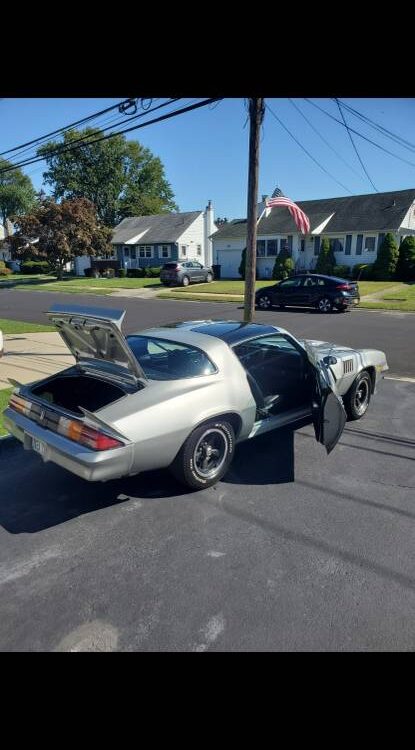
(272, 247)
(199, 249)
(370, 244)
(337, 244)
(284, 244)
(164, 251)
(260, 248)
(302, 245)
(126, 252)
(359, 243)
(316, 245)
(183, 251)
(145, 251)
(133, 252)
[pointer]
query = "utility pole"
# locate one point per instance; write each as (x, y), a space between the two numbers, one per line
(256, 115)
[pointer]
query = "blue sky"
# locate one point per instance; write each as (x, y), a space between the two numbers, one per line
(205, 152)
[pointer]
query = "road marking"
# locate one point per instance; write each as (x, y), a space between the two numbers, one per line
(404, 380)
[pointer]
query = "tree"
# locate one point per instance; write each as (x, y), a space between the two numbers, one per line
(283, 266)
(405, 267)
(326, 259)
(385, 264)
(63, 230)
(17, 194)
(120, 177)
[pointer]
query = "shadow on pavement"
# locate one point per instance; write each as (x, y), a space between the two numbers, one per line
(267, 459)
(35, 496)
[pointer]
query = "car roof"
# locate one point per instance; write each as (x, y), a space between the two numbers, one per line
(229, 331)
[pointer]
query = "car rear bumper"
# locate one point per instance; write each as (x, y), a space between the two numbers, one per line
(78, 459)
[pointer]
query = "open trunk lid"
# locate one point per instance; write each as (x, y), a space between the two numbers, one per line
(94, 337)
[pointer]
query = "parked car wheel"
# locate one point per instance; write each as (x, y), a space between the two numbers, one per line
(281, 306)
(185, 281)
(264, 302)
(209, 278)
(357, 398)
(206, 455)
(325, 305)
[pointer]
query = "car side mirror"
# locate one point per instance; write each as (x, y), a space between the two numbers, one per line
(329, 360)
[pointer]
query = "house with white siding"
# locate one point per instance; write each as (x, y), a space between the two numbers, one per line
(355, 226)
(150, 241)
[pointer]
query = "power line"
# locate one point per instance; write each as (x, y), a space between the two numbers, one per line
(355, 148)
(382, 148)
(175, 113)
(65, 127)
(323, 139)
(64, 147)
(307, 152)
(118, 122)
(384, 131)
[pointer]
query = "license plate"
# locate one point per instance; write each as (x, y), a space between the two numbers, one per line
(38, 446)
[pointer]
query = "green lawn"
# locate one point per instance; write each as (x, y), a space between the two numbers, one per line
(401, 299)
(81, 285)
(372, 287)
(19, 326)
(4, 400)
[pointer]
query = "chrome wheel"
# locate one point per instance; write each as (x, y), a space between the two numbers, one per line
(264, 302)
(210, 453)
(362, 396)
(185, 281)
(325, 305)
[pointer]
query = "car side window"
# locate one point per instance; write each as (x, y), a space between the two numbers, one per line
(321, 282)
(289, 283)
(310, 282)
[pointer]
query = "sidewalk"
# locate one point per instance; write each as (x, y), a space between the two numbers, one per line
(32, 356)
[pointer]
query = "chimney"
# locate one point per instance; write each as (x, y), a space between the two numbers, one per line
(209, 229)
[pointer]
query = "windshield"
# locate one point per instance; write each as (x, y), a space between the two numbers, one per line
(162, 359)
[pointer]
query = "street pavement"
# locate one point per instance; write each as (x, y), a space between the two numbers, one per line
(293, 551)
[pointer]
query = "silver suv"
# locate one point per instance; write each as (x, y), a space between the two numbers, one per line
(183, 273)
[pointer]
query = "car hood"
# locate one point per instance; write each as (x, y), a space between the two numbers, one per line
(94, 337)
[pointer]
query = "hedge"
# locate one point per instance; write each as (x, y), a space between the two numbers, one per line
(35, 266)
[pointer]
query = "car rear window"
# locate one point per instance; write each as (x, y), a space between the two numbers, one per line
(170, 266)
(162, 359)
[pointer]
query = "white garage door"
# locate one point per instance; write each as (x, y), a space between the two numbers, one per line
(229, 260)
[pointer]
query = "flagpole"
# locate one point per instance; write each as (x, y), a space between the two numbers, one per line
(256, 115)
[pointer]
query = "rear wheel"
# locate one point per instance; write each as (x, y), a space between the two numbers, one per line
(185, 281)
(206, 455)
(209, 278)
(264, 302)
(324, 305)
(357, 398)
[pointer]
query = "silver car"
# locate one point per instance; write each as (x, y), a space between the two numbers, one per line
(182, 395)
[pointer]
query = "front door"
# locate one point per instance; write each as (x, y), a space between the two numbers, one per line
(329, 416)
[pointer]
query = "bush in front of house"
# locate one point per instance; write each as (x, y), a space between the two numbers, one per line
(35, 266)
(136, 273)
(326, 259)
(4, 271)
(405, 267)
(384, 266)
(363, 271)
(283, 266)
(121, 273)
(342, 271)
(152, 272)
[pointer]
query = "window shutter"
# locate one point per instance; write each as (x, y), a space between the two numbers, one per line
(290, 243)
(316, 245)
(359, 244)
(348, 247)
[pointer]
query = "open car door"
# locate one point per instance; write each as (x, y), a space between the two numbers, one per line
(329, 415)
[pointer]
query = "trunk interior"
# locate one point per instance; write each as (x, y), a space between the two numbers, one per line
(73, 391)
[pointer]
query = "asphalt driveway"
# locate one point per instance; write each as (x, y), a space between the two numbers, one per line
(294, 550)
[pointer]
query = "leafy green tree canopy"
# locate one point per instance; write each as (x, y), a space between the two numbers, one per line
(283, 266)
(17, 194)
(63, 230)
(122, 178)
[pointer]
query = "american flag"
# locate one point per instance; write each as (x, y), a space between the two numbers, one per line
(301, 219)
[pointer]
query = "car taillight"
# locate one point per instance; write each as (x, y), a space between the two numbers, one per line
(22, 405)
(345, 287)
(80, 433)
